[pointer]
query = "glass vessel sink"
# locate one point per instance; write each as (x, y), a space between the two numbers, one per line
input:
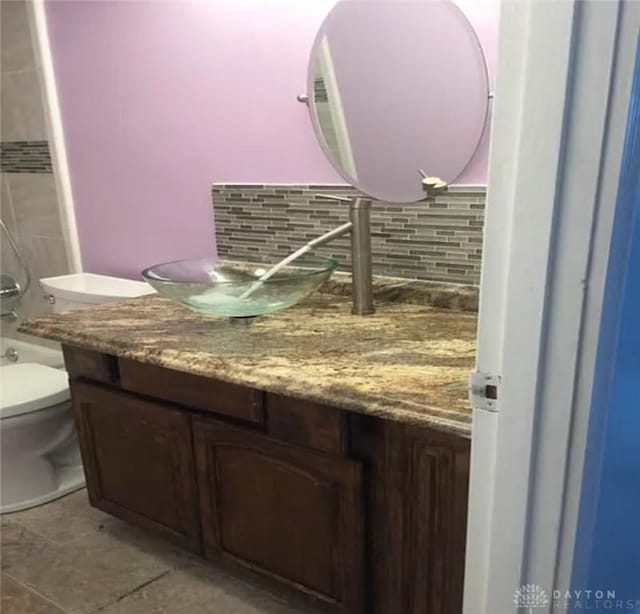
(223, 288)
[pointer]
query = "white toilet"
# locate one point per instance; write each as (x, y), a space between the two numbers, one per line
(39, 456)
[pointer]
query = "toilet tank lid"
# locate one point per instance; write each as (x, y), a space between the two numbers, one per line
(27, 387)
(91, 287)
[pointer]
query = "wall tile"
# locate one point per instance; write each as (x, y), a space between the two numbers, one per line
(35, 204)
(34, 303)
(46, 256)
(16, 51)
(10, 264)
(429, 240)
(28, 191)
(6, 208)
(21, 113)
(35, 197)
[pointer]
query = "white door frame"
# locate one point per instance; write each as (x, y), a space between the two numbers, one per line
(562, 92)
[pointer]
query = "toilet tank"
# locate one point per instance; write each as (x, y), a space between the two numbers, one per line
(80, 290)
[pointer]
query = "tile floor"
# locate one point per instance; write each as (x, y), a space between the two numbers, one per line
(67, 557)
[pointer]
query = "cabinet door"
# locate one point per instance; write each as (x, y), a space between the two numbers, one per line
(417, 501)
(289, 512)
(437, 483)
(138, 461)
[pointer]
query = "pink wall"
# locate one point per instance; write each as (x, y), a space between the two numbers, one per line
(161, 99)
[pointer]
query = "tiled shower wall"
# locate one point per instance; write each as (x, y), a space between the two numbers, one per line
(439, 240)
(28, 198)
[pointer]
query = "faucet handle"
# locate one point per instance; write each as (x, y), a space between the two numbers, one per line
(344, 199)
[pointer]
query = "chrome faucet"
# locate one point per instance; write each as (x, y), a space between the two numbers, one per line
(11, 292)
(360, 228)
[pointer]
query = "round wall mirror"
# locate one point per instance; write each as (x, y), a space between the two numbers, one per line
(395, 87)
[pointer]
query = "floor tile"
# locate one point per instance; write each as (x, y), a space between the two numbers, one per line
(73, 559)
(92, 526)
(80, 576)
(17, 599)
(19, 544)
(53, 521)
(202, 589)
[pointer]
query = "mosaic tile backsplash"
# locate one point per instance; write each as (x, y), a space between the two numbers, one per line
(25, 157)
(436, 240)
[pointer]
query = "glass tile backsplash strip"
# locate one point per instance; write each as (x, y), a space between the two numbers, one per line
(25, 157)
(439, 240)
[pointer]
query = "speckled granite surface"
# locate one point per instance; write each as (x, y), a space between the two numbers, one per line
(417, 292)
(401, 290)
(407, 362)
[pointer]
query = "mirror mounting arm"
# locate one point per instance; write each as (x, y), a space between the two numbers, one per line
(432, 185)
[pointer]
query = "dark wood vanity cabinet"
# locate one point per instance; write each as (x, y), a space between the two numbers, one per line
(417, 510)
(365, 515)
(138, 461)
(292, 513)
(438, 481)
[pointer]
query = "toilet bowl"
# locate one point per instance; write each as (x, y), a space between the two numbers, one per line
(39, 456)
(38, 448)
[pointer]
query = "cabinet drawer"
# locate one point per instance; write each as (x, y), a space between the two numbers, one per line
(306, 423)
(90, 364)
(192, 390)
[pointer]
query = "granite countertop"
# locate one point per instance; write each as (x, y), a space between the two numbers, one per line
(407, 362)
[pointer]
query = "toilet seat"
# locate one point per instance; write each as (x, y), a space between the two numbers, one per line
(29, 387)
